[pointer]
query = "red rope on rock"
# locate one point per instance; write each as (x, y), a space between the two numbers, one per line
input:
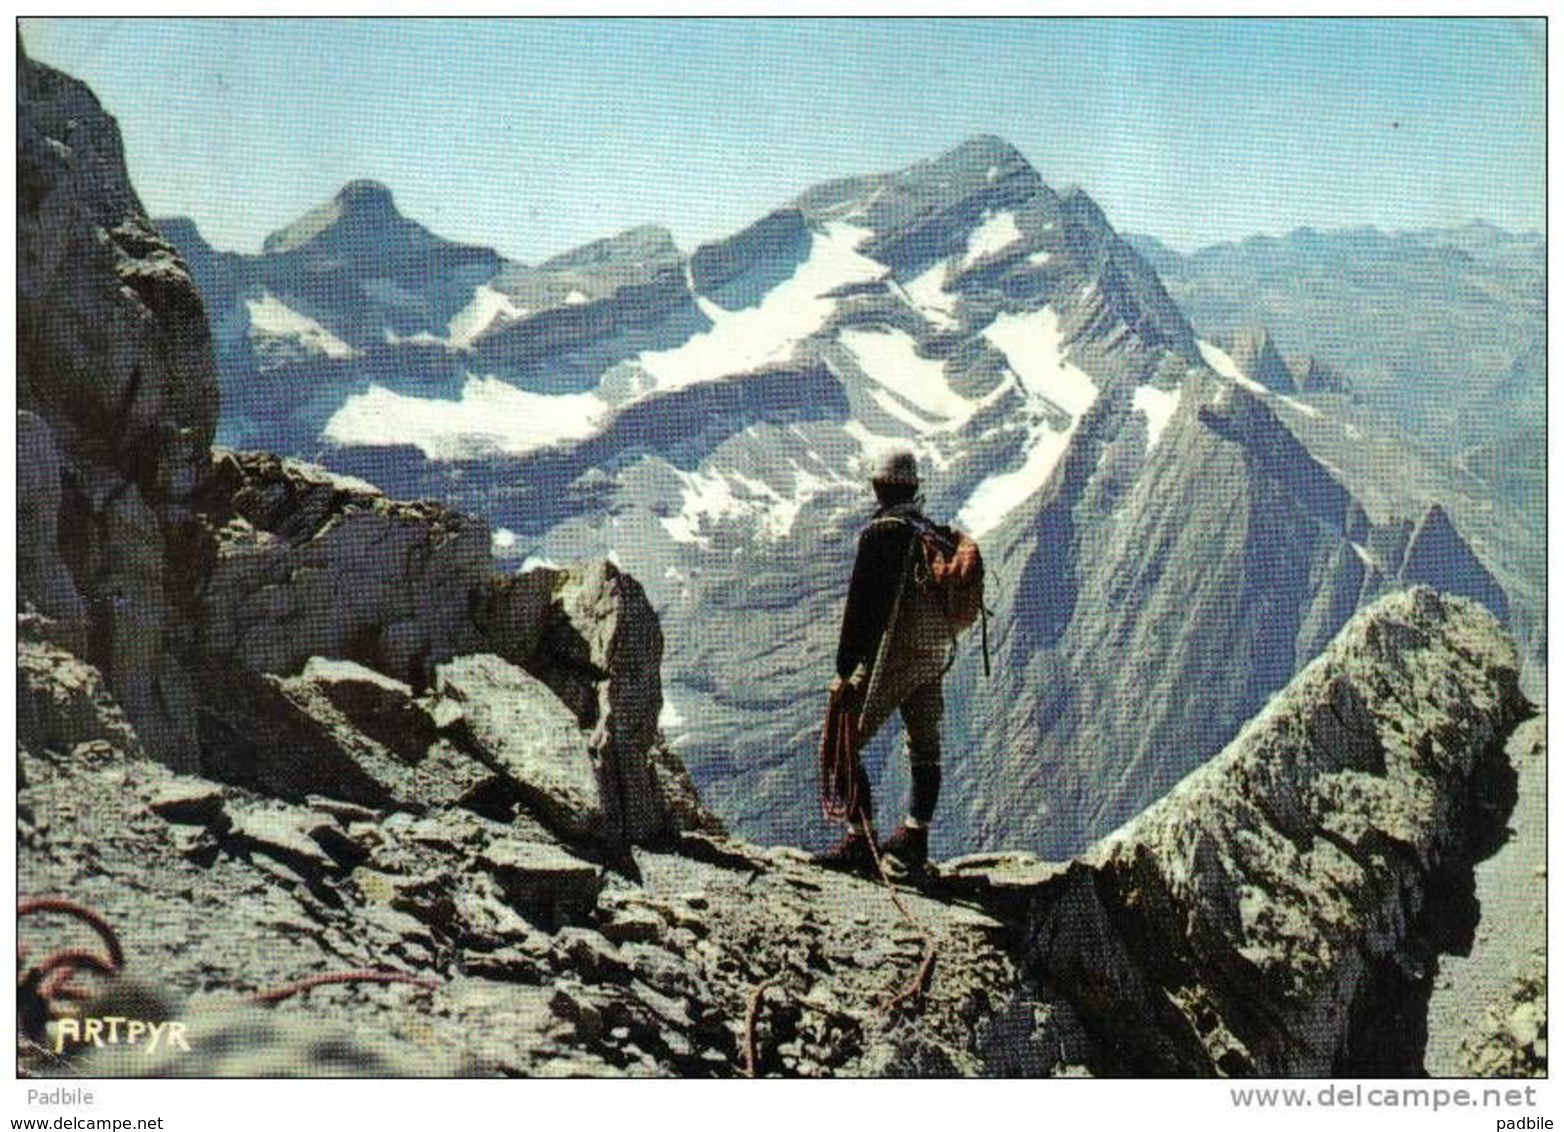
(751, 1014)
(48, 982)
(288, 990)
(97, 923)
(915, 986)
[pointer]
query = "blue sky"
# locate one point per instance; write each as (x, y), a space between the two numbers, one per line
(534, 136)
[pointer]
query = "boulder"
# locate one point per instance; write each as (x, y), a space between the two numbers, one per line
(114, 349)
(62, 701)
(526, 732)
(43, 580)
(536, 874)
(601, 653)
(1438, 556)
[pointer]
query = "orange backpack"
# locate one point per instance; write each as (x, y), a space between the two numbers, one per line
(949, 570)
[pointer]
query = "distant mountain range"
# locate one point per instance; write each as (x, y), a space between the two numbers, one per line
(1444, 329)
(1175, 517)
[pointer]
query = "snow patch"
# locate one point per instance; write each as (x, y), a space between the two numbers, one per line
(490, 418)
(1034, 346)
(769, 332)
(1219, 360)
(537, 562)
(926, 294)
(890, 359)
(576, 298)
(900, 411)
(271, 317)
(479, 314)
(1159, 406)
(501, 540)
(1039, 258)
(995, 234)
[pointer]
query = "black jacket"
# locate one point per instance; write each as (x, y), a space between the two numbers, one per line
(882, 554)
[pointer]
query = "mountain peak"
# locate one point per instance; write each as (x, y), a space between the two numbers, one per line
(1255, 353)
(360, 207)
(366, 193)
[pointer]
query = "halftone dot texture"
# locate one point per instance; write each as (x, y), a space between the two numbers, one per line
(1179, 512)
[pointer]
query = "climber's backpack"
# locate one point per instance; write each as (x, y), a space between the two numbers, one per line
(949, 570)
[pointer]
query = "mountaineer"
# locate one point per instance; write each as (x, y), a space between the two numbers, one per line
(892, 656)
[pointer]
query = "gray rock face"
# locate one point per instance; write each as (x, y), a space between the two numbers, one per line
(730, 495)
(1429, 326)
(42, 578)
(1256, 355)
(309, 565)
(536, 739)
(1295, 873)
(769, 245)
(118, 384)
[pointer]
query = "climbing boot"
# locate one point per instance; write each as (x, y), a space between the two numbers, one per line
(852, 854)
(909, 846)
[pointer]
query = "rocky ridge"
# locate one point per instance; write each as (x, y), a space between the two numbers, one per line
(1261, 919)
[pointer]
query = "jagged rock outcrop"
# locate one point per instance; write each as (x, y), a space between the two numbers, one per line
(309, 564)
(1274, 913)
(1438, 556)
(1315, 376)
(117, 400)
(1255, 353)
